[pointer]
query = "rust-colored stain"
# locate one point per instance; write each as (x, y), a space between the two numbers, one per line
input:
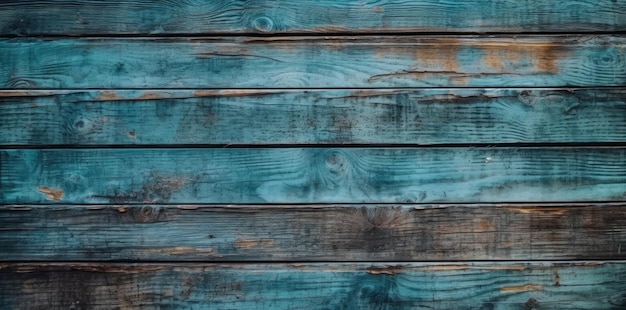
(183, 250)
(543, 56)
(485, 225)
(251, 243)
(441, 57)
(107, 95)
(493, 59)
(445, 267)
(24, 93)
(51, 193)
(150, 96)
(504, 267)
(122, 209)
(387, 270)
(538, 210)
(378, 9)
(521, 288)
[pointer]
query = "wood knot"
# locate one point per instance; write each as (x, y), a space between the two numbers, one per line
(531, 304)
(146, 214)
(336, 163)
(263, 24)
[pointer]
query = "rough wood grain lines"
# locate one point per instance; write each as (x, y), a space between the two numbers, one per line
(314, 62)
(313, 232)
(313, 175)
(62, 17)
(514, 285)
(400, 116)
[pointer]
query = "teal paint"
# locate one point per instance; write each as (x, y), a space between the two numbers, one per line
(581, 285)
(62, 17)
(314, 62)
(313, 175)
(100, 75)
(360, 116)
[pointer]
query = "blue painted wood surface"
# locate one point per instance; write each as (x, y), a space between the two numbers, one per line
(313, 175)
(557, 285)
(63, 17)
(331, 233)
(355, 116)
(314, 62)
(112, 113)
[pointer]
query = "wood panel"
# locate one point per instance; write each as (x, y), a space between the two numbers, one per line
(62, 17)
(515, 285)
(314, 62)
(313, 175)
(313, 232)
(396, 116)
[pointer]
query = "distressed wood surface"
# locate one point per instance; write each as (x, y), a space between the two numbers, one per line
(313, 175)
(62, 17)
(397, 116)
(514, 285)
(313, 232)
(314, 62)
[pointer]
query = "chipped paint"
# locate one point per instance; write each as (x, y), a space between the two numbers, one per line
(521, 288)
(51, 193)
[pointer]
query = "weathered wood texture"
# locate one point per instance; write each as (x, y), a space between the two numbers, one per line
(398, 116)
(313, 232)
(62, 17)
(312, 175)
(310, 62)
(513, 285)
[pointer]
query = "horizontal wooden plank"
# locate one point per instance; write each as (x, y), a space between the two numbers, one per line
(398, 116)
(314, 62)
(313, 232)
(584, 285)
(312, 175)
(63, 17)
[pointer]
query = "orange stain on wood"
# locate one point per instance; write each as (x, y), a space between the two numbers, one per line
(445, 267)
(108, 95)
(251, 243)
(521, 288)
(51, 193)
(538, 210)
(440, 58)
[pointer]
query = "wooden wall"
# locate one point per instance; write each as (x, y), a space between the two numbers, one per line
(305, 154)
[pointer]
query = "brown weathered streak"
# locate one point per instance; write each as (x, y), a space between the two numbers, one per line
(315, 232)
(311, 286)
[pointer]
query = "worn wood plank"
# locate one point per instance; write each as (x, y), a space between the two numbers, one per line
(313, 175)
(310, 62)
(398, 116)
(515, 285)
(313, 232)
(62, 17)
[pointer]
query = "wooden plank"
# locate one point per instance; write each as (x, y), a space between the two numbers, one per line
(515, 285)
(313, 175)
(63, 17)
(397, 116)
(314, 62)
(313, 232)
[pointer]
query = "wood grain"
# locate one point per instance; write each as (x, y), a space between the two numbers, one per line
(314, 62)
(337, 233)
(359, 116)
(514, 285)
(313, 175)
(63, 17)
